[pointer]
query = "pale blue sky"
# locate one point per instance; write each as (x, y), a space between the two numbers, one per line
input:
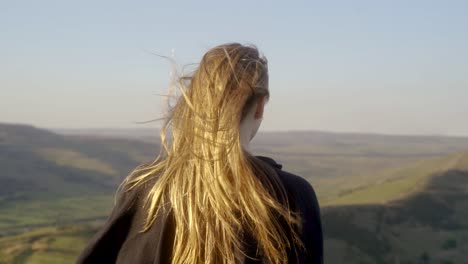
(395, 67)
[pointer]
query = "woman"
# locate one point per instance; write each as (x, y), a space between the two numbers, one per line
(206, 198)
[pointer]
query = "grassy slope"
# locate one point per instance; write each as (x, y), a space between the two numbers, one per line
(21, 216)
(425, 221)
(336, 162)
(74, 159)
(428, 221)
(423, 214)
(432, 221)
(398, 183)
(48, 178)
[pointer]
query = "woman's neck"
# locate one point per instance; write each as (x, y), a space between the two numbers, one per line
(247, 130)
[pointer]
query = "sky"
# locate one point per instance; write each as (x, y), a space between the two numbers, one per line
(391, 67)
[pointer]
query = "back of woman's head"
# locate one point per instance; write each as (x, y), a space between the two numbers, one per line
(227, 83)
(216, 190)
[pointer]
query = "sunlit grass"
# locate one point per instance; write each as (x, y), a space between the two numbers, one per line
(398, 183)
(23, 215)
(45, 245)
(77, 160)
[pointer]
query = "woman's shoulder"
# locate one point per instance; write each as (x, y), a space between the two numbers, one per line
(140, 179)
(299, 189)
(118, 235)
(305, 198)
(291, 181)
(134, 189)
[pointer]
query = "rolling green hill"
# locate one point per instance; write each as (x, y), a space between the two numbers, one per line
(339, 162)
(385, 199)
(47, 178)
(93, 161)
(428, 225)
(398, 183)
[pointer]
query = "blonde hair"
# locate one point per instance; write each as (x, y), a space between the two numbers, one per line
(215, 189)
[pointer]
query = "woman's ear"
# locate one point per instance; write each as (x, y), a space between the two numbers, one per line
(260, 107)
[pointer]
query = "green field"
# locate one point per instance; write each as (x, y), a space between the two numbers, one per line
(46, 245)
(24, 215)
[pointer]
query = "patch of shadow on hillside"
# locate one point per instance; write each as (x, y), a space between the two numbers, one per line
(368, 227)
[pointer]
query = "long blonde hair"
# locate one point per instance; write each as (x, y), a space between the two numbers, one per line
(215, 189)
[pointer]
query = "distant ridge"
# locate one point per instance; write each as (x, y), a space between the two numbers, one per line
(36, 160)
(155, 131)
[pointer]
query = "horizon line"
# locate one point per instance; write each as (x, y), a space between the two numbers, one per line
(63, 130)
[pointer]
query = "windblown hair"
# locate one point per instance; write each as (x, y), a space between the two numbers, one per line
(216, 190)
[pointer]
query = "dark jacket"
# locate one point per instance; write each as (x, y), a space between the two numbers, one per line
(119, 240)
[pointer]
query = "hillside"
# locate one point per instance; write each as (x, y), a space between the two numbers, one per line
(47, 178)
(337, 162)
(429, 225)
(35, 160)
(340, 162)
(385, 199)
(398, 183)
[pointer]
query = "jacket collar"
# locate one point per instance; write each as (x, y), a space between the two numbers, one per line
(270, 161)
